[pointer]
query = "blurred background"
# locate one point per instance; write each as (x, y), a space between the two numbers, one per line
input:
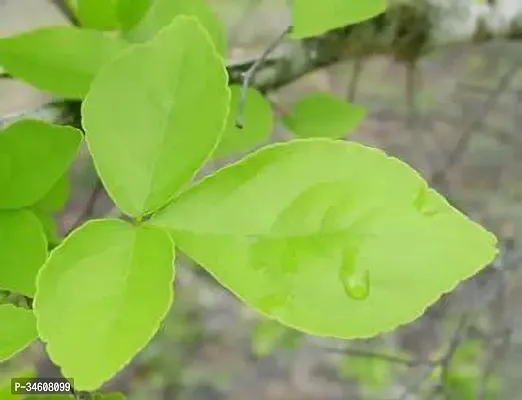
(456, 116)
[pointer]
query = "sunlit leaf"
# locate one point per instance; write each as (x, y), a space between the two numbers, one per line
(163, 12)
(17, 330)
(49, 226)
(148, 137)
(323, 115)
(61, 59)
(5, 382)
(23, 250)
(257, 123)
(34, 155)
(57, 197)
(329, 237)
(130, 12)
(101, 297)
(98, 14)
(312, 17)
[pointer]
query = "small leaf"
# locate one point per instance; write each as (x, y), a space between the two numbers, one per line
(267, 336)
(57, 197)
(23, 250)
(17, 330)
(101, 297)
(258, 123)
(130, 12)
(286, 225)
(374, 374)
(148, 137)
(98, 14)
(323, 115)
(163, 12)
(311, 17)
(34, 156)
(67, 58)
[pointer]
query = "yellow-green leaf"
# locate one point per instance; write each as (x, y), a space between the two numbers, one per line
(101, 296)
(329, 237)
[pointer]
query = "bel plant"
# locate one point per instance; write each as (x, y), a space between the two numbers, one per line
(327, 236)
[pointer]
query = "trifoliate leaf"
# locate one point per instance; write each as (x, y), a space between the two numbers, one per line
(101, 297)
(148, 137)
(328, 237)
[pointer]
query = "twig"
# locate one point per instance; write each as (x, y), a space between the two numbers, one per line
(455, 340)
(354, 79)
(440, 176)
(381, 356)
(16, 299)
(498, 349)
(417, 384)
(66, 10)
(248, 75)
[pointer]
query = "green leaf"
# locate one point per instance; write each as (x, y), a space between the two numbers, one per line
(62, 59)
(311, 17)
(17, 330)
(98, 14)
(373, 374)
(267, 336)
(130, 12)
(23, 250)
(148, 137)
(258, 123)
(323, 115)
(49, 226)
(34, 155)
(5, 383)
(328, 237)
(163, 12)
(101, 297)
(57, 197)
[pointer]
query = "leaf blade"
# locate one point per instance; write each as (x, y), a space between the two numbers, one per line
(18, 330)
(289, 219)
(23, 251)
(128, 272)
(162, 12)
(186, 75)
(34, 155)
(323, 115)
(312, 18)
(98, 14)
(258, 123)
(68, 58)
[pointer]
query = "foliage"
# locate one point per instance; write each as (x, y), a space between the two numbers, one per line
(325, 236)
(323, 115)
